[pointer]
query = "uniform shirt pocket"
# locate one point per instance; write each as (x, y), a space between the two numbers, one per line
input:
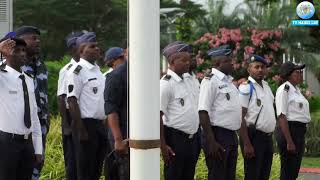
(180, 98)
(93, 85)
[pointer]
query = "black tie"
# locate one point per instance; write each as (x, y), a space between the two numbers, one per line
(27, 120)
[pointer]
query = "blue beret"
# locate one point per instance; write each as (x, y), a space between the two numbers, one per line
(220, 51)
(11, 34)
(175, 47)
(113, 53)
(72, 38)
(27, 30)
(257, 58)
(86, 38)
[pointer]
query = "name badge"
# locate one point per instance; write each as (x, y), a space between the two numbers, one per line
(13, 92)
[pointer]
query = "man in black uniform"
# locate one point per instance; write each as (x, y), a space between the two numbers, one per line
(116, 106)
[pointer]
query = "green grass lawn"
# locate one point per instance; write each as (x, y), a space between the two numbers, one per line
(313, 162)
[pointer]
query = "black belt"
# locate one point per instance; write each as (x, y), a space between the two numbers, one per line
(17, 137)
(264, 133)
(187, 136)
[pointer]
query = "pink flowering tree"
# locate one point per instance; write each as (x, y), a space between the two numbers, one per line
(265, 43)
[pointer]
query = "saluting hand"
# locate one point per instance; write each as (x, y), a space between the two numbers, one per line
(6, 46)
(291, 148)
(167, 153)
(248, 151)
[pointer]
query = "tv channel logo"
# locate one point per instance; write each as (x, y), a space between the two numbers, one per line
(305, 10)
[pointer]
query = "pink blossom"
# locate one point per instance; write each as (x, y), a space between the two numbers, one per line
(249, 49)
(200, 61)
(236, 66)
(278, 34)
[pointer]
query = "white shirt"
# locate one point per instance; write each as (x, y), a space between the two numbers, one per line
(292, 104)
(12, 107)
(87, 85)
(62, 83)
(220, 98)
(178, 102)
(62, 87)
(267, 120)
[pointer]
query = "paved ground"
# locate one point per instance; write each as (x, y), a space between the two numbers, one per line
(309, 174)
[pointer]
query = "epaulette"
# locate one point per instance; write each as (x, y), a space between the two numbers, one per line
(209, 76)
(28, 74)
(3, 70)
(70, 65)
(2, 66)
(167, 77)
(77, 70)
(286, 87)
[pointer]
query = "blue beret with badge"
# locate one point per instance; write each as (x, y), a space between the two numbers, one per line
(72, 38)
(257, 58)
(224, 50)
(27, 30)
(86, 38)
(176, 47)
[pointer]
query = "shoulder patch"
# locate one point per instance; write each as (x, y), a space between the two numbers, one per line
(167, 77)
(209, 76)
(77, 70)
(286, 87)
(70, 65)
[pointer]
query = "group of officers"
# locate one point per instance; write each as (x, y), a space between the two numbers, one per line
(86, 97)
(212, 115)
(93, 107)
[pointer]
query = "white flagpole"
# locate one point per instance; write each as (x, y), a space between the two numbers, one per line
(144, 71)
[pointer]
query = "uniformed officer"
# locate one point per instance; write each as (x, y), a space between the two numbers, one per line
(220, 116)
(258, 121)
(20, 132)
(85, 84)
(116, 108)
(114, 57)
(178, 114)
(67, 142)
(36, 67)
(293, 116)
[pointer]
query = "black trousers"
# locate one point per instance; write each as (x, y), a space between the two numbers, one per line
(118, 166)
(186, 156)
(222, 169)
(259, 167)
(16, 158)
(69, 154)
(90, 154)
(290, 163)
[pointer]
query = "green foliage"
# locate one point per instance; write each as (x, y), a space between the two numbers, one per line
(56, 19)
(313, 134)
